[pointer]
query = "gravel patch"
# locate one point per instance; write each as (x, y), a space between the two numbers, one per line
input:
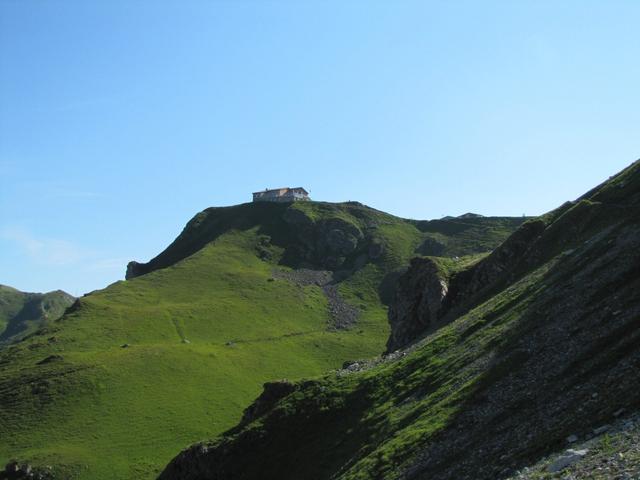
(342, 314)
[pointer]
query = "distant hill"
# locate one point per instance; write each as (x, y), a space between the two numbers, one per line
(470, 215)
(463, 216)
(492, 366)
(23, 313)
(244, 295)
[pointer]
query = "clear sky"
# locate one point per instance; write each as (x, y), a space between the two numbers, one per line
(119, 120)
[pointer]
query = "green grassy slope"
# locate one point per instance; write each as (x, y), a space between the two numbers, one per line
(136, 371)
(11, 302)
(553, 351)
(459, 236)
(23, 313)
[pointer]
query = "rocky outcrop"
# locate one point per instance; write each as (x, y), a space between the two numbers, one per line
(134, 269)
(420, 293)
(23, 471)
(431, 247)
(327, 243)
(272, 392)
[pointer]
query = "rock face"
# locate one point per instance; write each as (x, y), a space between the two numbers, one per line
(418, 301)
(326, 243)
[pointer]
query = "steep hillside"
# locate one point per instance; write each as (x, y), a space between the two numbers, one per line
(245, 294)
(23, 313)
(536, 343)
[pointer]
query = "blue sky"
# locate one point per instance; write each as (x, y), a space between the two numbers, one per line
(121, 120)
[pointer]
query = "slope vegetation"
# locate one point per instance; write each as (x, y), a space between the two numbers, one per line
(535, 343)
(245, 294)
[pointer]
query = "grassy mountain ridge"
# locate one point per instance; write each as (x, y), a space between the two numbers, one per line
(299, 228)
(136, 371)
(546, 344)
(23, 313)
